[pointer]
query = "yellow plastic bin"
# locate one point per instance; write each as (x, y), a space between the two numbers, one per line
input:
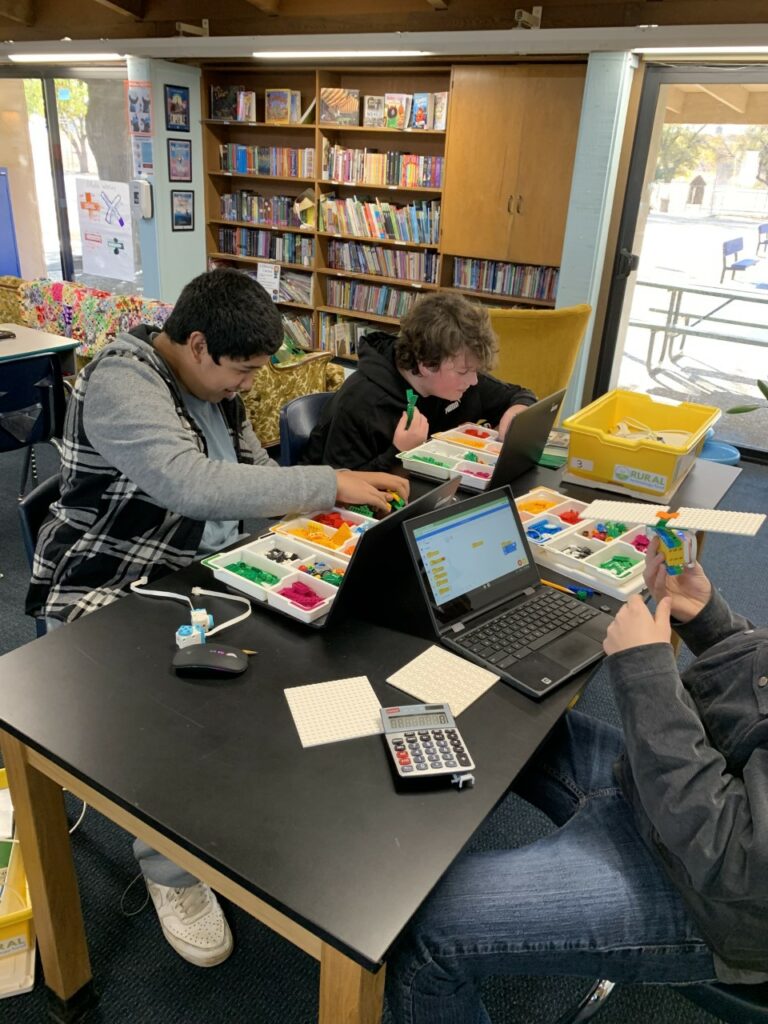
(17, 936)
(637, 465)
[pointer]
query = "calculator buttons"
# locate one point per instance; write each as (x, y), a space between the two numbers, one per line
(429, 751)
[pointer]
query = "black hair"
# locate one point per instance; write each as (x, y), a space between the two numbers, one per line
(234, 312)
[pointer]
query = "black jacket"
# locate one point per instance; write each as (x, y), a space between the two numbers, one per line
(356, 427)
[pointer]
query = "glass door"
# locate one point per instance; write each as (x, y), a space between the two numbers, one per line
(687, 316)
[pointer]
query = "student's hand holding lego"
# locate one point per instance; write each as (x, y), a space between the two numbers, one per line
(360, 488)
(406, 437)
(507, 418)
(636, 626)
(689, 592)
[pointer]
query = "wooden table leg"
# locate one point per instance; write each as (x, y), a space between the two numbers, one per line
(348, 993)
(42, 831)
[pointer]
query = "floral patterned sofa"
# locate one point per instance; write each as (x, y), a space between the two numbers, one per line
(93, 317)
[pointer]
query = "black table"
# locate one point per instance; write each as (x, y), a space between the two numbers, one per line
(315, 843)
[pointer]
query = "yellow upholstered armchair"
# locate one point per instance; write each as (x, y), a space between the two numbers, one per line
(538, 347)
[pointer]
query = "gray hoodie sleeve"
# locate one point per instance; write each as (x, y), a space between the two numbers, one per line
(131, 420)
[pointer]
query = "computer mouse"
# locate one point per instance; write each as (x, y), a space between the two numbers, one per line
(207, 661)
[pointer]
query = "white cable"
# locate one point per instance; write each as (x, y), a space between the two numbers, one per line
(80, 819)
(227, 597)
(137, 587)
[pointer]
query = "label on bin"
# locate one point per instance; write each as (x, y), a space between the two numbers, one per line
(631, 477)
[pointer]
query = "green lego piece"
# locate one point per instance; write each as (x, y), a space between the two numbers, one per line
(413, 398)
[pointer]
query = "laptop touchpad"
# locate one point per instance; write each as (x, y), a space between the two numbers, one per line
(573, 650)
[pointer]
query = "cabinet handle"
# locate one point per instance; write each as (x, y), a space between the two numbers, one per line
(511, 204)
(519, 204)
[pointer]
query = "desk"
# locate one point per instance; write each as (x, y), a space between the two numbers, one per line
(677, 322)
(31, 342)
(315, 843)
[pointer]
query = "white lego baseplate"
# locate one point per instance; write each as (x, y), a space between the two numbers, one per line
(745, 524)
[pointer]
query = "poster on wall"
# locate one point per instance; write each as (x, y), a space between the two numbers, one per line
(176, 108)
(179, 160)
(182, 210)
(138, 100)
(142, 159)
(106, 231)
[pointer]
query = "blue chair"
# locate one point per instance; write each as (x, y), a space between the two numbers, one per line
(762, 239)
(32, 405)
(33, 509)
(297, 419)
(731, 250)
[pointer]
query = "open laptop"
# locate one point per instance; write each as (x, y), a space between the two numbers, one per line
(486, 600)
(524, 441)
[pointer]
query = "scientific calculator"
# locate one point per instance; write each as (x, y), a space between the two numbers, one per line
(424, 742)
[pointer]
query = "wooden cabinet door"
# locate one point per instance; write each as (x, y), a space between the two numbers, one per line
(550, 128)
(486, 112)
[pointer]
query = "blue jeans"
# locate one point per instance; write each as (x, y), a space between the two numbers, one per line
(587, 900)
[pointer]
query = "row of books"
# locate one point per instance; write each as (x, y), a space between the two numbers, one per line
(373, 218)
(290, 248)
(281, 106)
(341, 336)
(370, 167)
(526, 281)
(296, 287)
(408, 265)
(273, 211)
(379, 299)
(418, 110)
(280, 161)
(298, 329)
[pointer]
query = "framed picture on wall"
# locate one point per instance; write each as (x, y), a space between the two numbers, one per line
(179, 159)
(176, 108)
(182, 210)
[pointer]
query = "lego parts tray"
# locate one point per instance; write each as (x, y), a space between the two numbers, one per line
(607, 555)
(469, 450)
(296, 568)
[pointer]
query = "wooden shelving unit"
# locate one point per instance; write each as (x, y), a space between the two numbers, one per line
(454, 180)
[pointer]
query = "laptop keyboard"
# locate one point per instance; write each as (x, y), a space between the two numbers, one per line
(520, 631)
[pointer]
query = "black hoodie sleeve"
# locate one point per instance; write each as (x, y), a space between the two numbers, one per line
(359, 435)
(496, 397)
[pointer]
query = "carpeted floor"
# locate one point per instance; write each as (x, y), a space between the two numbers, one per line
(142, 981)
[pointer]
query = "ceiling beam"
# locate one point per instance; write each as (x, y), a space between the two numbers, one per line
(129, 8)
(266, 6)
(19, 11)
(675, 100)
(735, 97)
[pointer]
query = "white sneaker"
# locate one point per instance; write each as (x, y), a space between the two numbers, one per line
(193, 922)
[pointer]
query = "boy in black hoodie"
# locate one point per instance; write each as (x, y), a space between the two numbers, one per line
(444, 347)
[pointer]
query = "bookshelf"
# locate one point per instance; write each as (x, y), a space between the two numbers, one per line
(393, 213)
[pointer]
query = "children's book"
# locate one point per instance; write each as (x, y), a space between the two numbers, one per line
(440, 111)
(374, 113)
(295, 112)
(246, 106)
(277, 106)
(339, 106)
(224, 101)
(398, 109)
(422, 115)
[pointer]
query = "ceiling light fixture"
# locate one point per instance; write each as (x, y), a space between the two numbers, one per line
(63, 58)
(352, 54)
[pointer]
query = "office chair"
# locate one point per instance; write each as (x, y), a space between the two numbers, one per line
(297, 418)
(731, 250)
(733, 1004)
(32, 406)
(538, 347)
(33, 509)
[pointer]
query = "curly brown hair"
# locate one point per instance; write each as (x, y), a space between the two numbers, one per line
(438, 327)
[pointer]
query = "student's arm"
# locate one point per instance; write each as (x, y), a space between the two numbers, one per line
(131, 420)
(359, 437)
(712, 822)
(496, 397)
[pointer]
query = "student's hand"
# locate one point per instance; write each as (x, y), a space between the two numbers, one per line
(507, 418)
(405, 438)
(359, 488)
(635, 626)
(689, 592)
